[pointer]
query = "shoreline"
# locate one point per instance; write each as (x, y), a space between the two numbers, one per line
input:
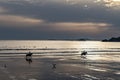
(67, 68)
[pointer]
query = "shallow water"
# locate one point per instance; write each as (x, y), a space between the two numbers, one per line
(101, 63)
(69, 67)
(46, 46)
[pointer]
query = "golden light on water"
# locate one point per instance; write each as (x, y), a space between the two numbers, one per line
(91, 44)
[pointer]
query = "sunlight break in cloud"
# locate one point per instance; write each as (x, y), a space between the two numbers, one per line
(19, 20)
(110, 3)
(84, 27)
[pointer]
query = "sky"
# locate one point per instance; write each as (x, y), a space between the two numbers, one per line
(59, 19)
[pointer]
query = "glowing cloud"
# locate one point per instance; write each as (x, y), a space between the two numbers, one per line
(19, 20)
(110, 3)
(116, 0)
(84, 27)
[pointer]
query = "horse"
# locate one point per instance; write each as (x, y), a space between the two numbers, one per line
(84, 53)
(29, 57)
(29, 54)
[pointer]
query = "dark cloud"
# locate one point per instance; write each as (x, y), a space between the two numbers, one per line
(37, 19)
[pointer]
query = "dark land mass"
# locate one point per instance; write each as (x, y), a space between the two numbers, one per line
(113, 39)
(82, 39)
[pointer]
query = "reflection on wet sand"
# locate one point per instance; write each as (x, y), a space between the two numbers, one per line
(60, 60)
(97, 69)
(29, 60)
(69, 67)
(118, 72)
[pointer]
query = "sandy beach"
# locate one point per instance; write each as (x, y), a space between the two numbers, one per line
(59, 39)
(68, 67)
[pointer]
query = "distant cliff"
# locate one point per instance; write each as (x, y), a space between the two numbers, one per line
(113, 39)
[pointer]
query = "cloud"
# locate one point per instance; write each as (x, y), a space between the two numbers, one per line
(60, 11)
(60, 18)
(48, 26)
(12, 20)
(3, 10)
(115, 4)
(88, 27)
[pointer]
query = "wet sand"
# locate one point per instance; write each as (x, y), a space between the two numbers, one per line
(68, 67)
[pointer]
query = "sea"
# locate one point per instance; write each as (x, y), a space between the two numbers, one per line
(53, 47)
(59, 60)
